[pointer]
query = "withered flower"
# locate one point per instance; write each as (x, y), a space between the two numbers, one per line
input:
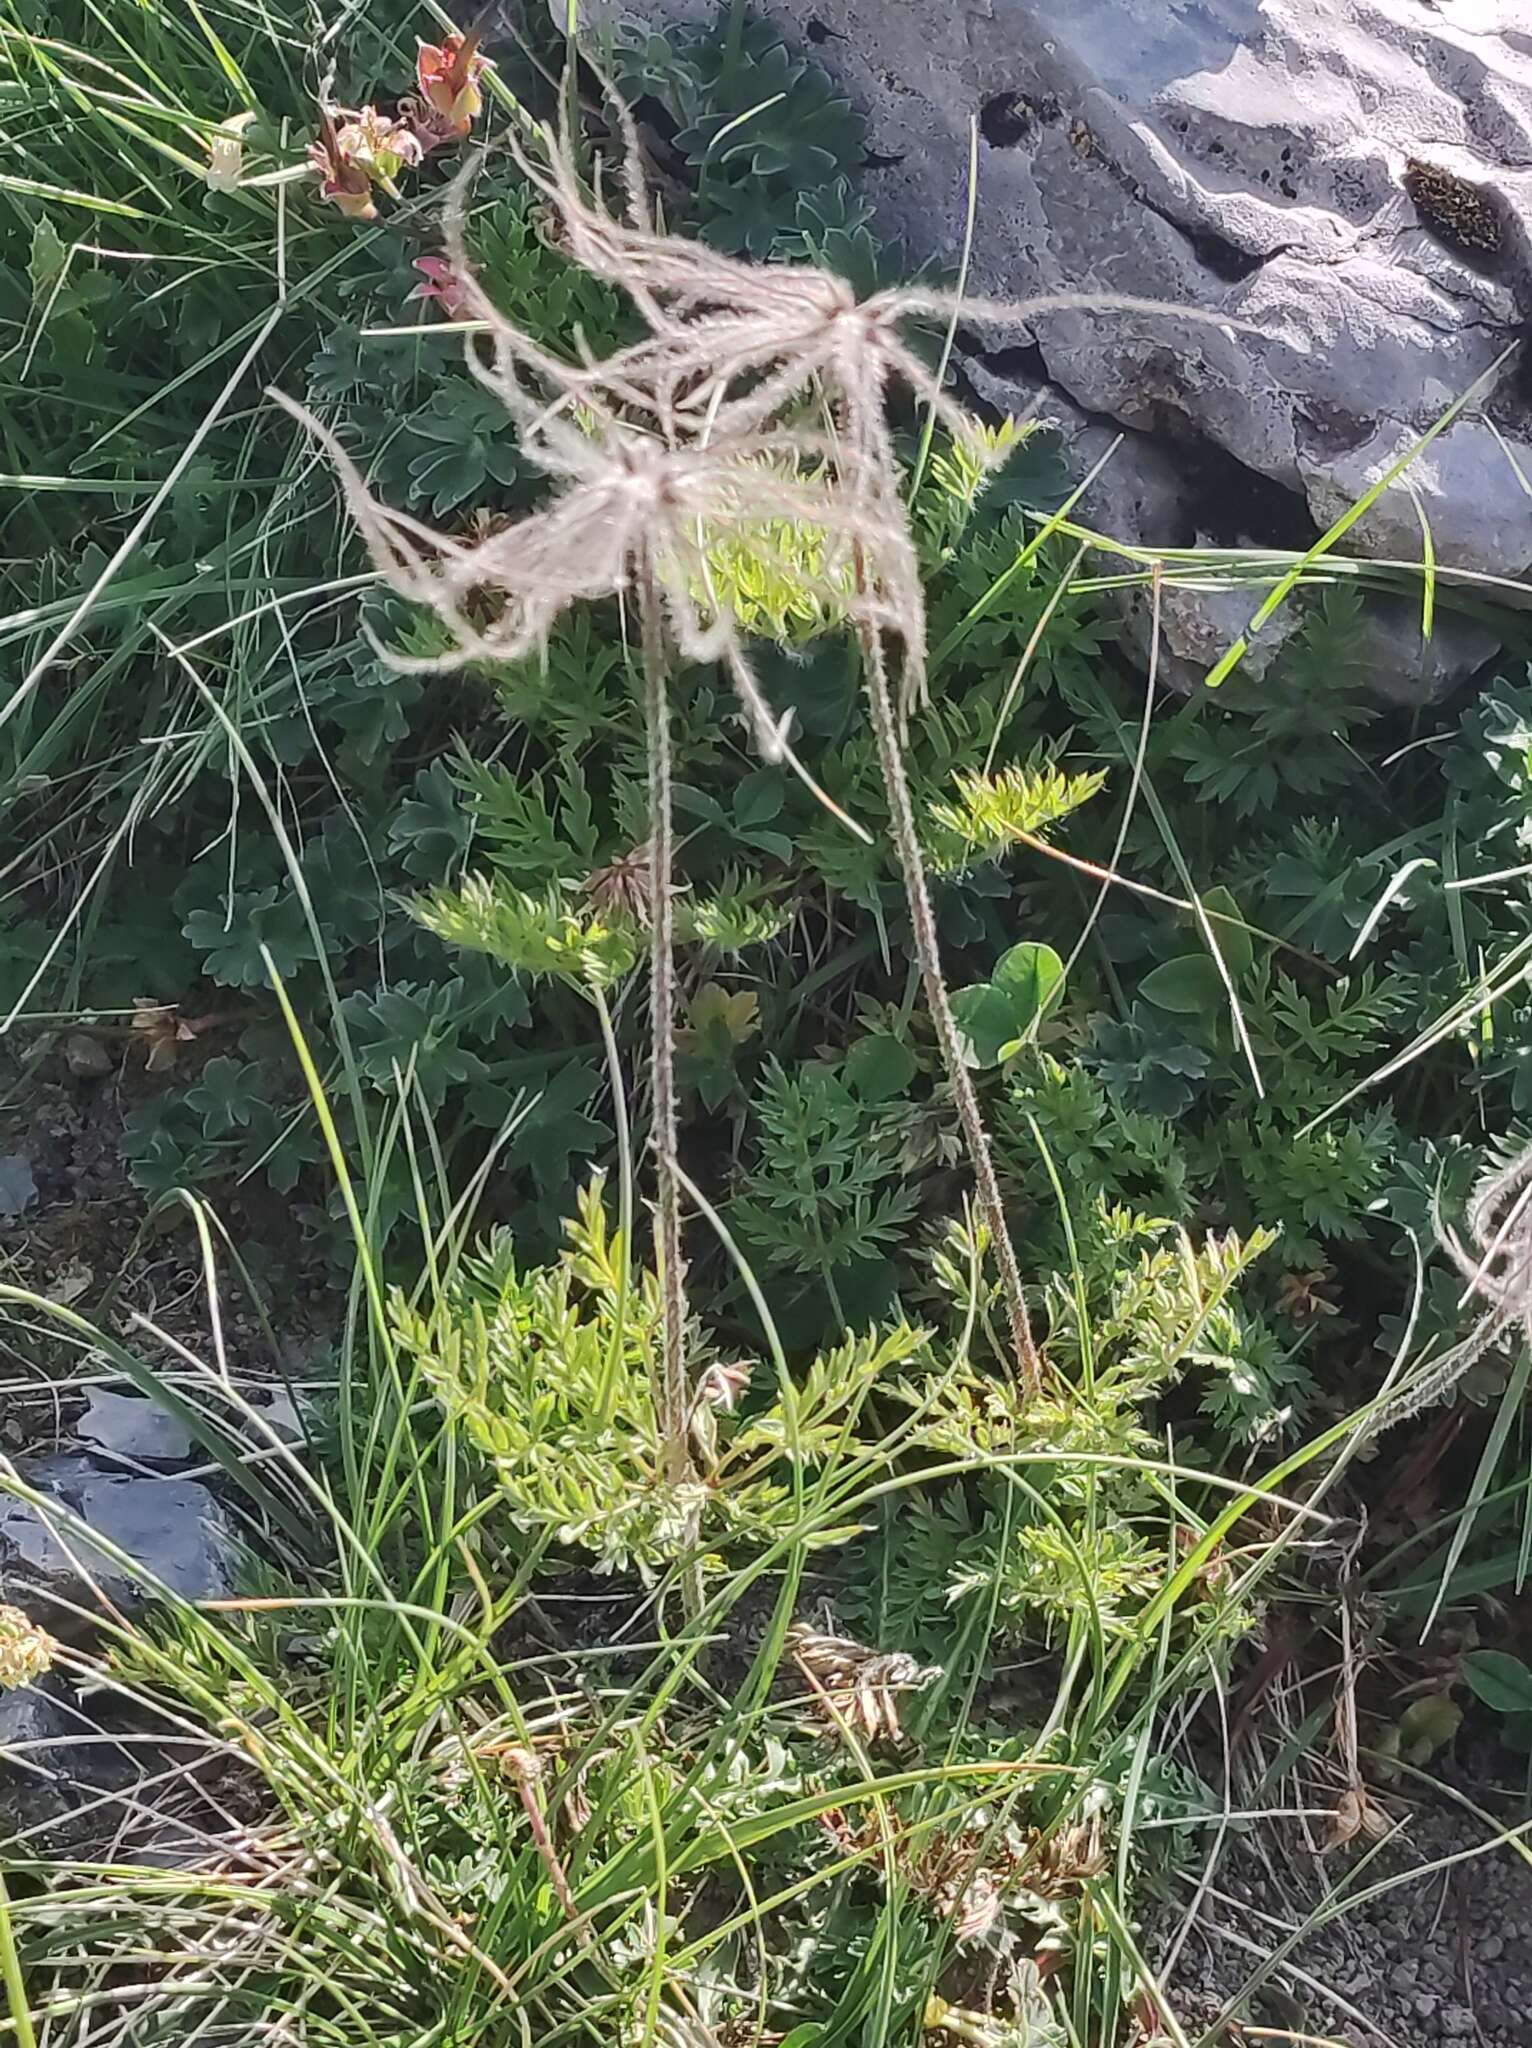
(722, 1386)
(626, 884)
(858, 1684)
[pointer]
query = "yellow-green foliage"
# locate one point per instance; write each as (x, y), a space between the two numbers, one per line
(551, 1375)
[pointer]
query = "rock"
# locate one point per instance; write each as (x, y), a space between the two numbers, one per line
(1350, 180)
(173, 1528)
(18, 1187)
(1456, 2022)
(1489, 1950)
(55, 1760)
(280, 1413)
(86, 1057)
(128, 1426)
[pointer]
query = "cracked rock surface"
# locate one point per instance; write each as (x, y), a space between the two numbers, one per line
(1353, 178)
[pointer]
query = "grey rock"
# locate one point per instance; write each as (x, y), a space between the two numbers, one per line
(56, 1761)
(1426, 2004)
(173, 1529)
(280, 1413)
(18, 1185)
(128, 1426)
(1402, 1976)
(1252, 162)
(1456, 2022)
(1489, 1949)
(86, 1056)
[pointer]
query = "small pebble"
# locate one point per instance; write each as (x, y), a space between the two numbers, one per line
(1456, 2022)
(86, 1057)
(1490, 1949)
(1426, 2004)
(1403, 1975)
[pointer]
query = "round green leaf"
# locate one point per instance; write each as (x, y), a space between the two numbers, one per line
(760, 797)
(986, 1018)
(1190, 986)
(879, 1068)
(1502, 1681)
(1029, 974)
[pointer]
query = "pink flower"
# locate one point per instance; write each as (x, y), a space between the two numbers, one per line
(344, 183)
(368, 148)
(442, 283)
(448, 75)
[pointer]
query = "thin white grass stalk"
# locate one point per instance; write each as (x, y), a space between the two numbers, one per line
(1034, 641)
(1236, 1014)
(1146, 1979)
(1056, 522)
(949, 339)
(1482, 881)
(672, 1402)
(1489, 988)
(1510, 1409)
(1205, 926)
(885, 724)
(1298, 1976)
(137, 805)
(210, 1289)
(1140, 754)
(1427, 562)
(269, 805)
(1396, 882)
(1193, 1914)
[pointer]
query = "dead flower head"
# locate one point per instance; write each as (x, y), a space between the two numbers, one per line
(1357, 1817)
(162, 1031)
(634, 516)
(1059, 1862)
(626, 884)
(960, 1873)
(859, 1685)
(735, 346)
(722, 1386)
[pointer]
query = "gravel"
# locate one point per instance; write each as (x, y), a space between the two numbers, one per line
(1442, 1956)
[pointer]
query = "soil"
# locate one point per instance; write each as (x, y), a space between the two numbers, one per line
(89, 1238)
(1436, 1948)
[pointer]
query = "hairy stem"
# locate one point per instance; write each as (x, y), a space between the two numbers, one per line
(606, 1396)
(885, 725)
(672, 1391)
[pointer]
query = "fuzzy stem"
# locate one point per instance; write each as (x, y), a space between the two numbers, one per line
(672, 1404)
(885, 725)
(606, 1395)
